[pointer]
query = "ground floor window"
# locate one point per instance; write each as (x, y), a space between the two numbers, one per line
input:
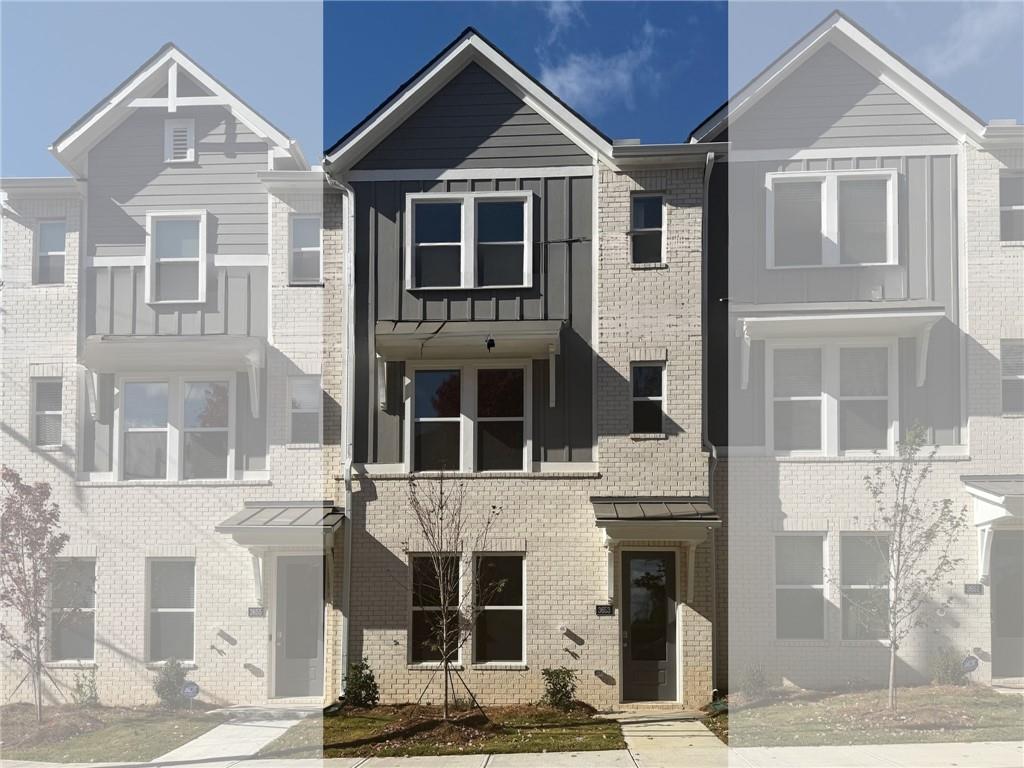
(499, 597)
(73, 610)
(799, 587)
(172, 609)
(436, 596)
(865, 586)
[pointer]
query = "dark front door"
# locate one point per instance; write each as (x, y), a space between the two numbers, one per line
(1007, 579)
(299, 626)
(648, 619)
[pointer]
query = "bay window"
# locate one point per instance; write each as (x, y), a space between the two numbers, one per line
(176, 257)
(500, 427)
(144, 406)
(469, 240)
(437, 428)
(206, 429)
(831, 218)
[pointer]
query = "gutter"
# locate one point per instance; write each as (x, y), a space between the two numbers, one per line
(347, 431)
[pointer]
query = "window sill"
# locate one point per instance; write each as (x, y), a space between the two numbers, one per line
(306, 285)
(864, 643)
(560, 475)
(643, 267)
(648, 436)
(71, 664)
(1013, 415)
(166, 483)
(303, 446)
(500, 666)
(47, 285)
(187, 665)
(801, 643)
(1011, 243)
(48, 448)
(432, 666)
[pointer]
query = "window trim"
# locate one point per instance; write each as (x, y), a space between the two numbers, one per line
(413, 608)
(34, 408)
(843, 585)
(663, 364)
(50, 611)
(203, 257)
(170, 126)
(822, 587)
(830, 438)
(150, 610)
(1012, 173)
(37, 250)
(477, 609)
(468, 243)
(830, 180)
(292, 250)
(319, 411)
(663, 229)
(468, 418)
(1003, 378)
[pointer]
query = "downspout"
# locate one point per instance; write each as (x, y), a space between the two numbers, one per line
(350, 344)
(709, 164)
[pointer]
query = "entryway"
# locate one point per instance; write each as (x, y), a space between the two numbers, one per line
(299, 625)
(648, 625)
(1007, 588)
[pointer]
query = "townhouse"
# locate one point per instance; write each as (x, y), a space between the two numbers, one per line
(229, 364)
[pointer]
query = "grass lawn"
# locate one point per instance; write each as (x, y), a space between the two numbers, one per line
(929, 713)
(408, 730)
(72, 734)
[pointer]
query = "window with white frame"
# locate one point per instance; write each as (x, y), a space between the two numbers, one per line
(176, 257)
(50, 253)
(73, 610)
(47, 411)
(648, 383)
(799, 587)
(172, 608)
(469, 240)
(500, 418)
(831, 218)
(206, 429)
(436, 598)
(305, 266)
(1011, 360)
(646, 236)
(437, 420)
(144, 418)
(864, 568)
(180, 140)
(832, 398)
(305, 407)
(1011, 205)
(499, 596)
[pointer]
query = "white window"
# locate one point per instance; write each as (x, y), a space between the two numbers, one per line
(180, 141)
(646, 236)
(144, 416)
(306, 265)
(176, 257)
(799, 587)
(831, 218)
(50, 253)
(1011, 359)
(206, 432)
(474, 417)
(436, 603)
(865, 586)
(47, 411)
(305, 405)
(1011, 206)
(831, 399)
(73, 610)
(469, 240)
(648, 383)
(500, 596)
(172, 609)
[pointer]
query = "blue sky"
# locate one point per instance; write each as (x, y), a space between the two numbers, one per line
(644, 70)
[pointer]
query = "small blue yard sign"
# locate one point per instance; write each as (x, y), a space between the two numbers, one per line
(969, 664)
(189, 690)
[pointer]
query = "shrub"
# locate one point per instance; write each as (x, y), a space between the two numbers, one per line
(83, 689)
(169, 679)
(361, 686)
(947, 667)
(559, 687)
(753, 683)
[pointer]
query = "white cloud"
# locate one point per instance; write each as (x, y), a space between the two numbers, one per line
(560, 15)
(977, 30)
(594, 82)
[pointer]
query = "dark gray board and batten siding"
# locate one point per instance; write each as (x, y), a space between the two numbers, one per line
(474, 122)
(562, 290)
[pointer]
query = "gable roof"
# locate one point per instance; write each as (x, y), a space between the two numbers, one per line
(470, 46)
(70, 147)
(839, 30)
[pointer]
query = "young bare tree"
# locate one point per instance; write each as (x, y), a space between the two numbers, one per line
(913, 549)
(30, 542)
(447, 591)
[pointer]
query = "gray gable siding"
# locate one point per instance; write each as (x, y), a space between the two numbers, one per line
(562, 290)
(474, 122)
(831, 101)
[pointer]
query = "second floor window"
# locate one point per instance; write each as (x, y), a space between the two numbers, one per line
(469, 240)
(305, 263)
(50, 253)
(500, 417)
(646, 233)
(1011, 360)
(176, 257)
(648, 382)
(1011, 206)
(144, 442)
(206, 429)
(305, 400)
(47, 412)
(831, 218)
(437, 420)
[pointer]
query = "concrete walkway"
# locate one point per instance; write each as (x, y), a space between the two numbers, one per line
(670, 738)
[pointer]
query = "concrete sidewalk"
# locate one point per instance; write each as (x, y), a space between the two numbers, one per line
(977, 754)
